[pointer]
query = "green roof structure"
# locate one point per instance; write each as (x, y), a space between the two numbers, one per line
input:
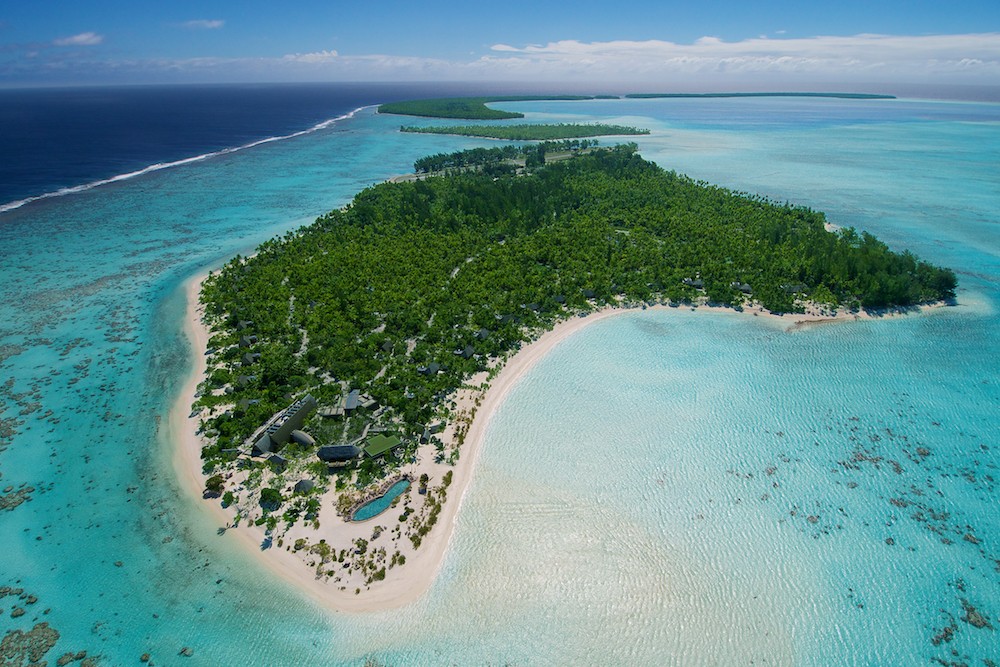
(379, 444)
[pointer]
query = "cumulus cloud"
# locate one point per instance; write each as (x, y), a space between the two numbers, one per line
(83, 39)
(203, 24)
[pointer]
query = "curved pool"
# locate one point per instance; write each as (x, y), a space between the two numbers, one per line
(373, 508)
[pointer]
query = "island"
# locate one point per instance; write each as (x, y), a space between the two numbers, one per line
(530, 132)
(474, 108)
(836, 96)
(469, 108)
(349, 367)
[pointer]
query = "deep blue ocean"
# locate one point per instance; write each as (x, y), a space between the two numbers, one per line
(665, 488)
(52, 139)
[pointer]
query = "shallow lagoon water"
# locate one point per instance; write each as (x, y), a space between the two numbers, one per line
(665, 488)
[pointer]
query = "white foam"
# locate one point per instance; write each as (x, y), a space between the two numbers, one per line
(166, 165)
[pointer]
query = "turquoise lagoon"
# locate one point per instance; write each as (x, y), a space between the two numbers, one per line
(667, 487)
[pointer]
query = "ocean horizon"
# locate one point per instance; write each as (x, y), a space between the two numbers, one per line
(668, 487)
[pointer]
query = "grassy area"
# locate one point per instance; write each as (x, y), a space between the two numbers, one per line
(528, 132)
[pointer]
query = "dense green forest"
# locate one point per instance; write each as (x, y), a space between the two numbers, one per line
(499, 160)
(468, 108)
(842, 96)
(528, 132)
(448, 272)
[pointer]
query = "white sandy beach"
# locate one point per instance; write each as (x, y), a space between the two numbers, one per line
(406, 583)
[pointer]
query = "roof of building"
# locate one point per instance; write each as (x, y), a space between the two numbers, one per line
(352, 400)
(302, 438)
(379, 444)
(332, 453)
(304, 485)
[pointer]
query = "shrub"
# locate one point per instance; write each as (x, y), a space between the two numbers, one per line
(270, 499)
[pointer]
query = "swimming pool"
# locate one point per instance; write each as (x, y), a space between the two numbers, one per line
(374, 507)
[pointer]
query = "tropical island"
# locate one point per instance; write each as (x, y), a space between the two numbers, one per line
(347, 362)
(469, 108)
(474, 108)
(530, 132)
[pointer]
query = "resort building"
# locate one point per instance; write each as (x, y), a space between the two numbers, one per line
(380, 444)
(338, 453)
(279, 430)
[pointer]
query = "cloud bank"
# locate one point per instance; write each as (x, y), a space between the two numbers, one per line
(706, 64)
(863, 57)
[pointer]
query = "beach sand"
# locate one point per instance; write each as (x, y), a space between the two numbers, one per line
(406, 583)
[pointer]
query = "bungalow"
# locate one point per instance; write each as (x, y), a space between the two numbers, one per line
(338, 453)
(244, 324)
(482, 334)
(696, 283)
(244, 404)
(352, 401)
(244, 380)
(278, 461)
(304, 486)
(429, 430)
(250, 358)
(742, 287)
(430, 369)
(247, 341)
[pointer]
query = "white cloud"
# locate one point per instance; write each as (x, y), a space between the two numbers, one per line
(83, 39)
(847, 58)
(314, 57)
(709, 63)
(204, 24)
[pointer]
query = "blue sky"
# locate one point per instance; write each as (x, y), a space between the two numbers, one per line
(703, 42)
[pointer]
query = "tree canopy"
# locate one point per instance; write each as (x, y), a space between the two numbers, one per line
(414, 286)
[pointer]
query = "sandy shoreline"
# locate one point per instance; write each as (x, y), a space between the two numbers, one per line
(406, 583)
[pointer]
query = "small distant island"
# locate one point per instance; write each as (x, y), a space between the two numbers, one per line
(529, 132)
(474, 108)
(347, 361)
(840, 96)
(469, 108)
